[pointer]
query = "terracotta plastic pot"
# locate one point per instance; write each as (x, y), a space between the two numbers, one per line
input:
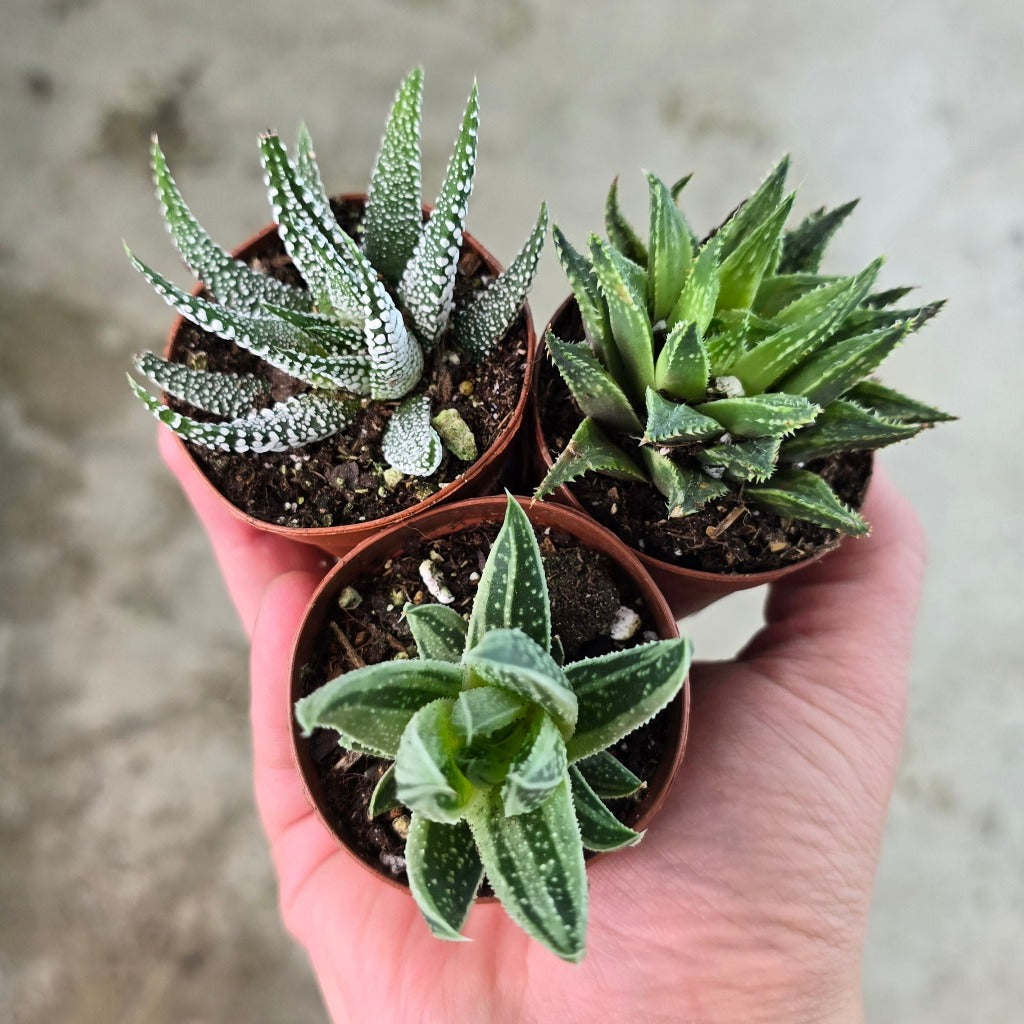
(479, 478)
(687, 590)
(369, 556)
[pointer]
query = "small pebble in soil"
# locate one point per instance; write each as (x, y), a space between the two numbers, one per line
(625, 624)
(434, 582)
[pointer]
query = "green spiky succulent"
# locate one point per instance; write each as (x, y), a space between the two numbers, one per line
(372, 316)
(728, 364)
(501, 752)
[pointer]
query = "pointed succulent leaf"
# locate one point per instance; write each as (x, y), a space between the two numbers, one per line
(780, 290)
(800, 494)
(683, 367)
(230, 281)
(297, 421)
(699, 295)
(686, 490)
(892, 405)
(862, 320)
(621, 233)
(513, 591)
(619, 692)
(589, 451)
(724, 347)
(677, 423)
(481, 324)
(596, 391)
(886, 297)
(410, 443)
(394, 215)
(373, 705)
(428, 283)
(537, 770)
(671, 254)
(439, 631)
(483, 711)
(844, 427)
(534, 862)
(308, 181)
(804, 246)
(223, 394)
(445, 873)
(753, 213)
(329, 332)
(742, 270)
(607, 776)
(676, 188)
(384, 796)
(747, 460)
(761, 415)
(427, 778)
(599, 828)
(509, 659)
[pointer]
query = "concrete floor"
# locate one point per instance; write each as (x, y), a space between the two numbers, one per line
(134, 884)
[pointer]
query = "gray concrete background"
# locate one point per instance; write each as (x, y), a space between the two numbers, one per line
(134, 885)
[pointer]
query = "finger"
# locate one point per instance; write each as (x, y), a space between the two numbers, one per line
(248, 558)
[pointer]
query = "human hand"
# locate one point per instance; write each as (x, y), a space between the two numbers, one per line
(747, 899)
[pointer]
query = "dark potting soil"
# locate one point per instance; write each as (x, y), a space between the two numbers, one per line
(585, 591)
(340, 480)
(727, 535)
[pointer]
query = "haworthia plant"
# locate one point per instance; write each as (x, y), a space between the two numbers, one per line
(500, 752)
(374, 311)
(726, 365)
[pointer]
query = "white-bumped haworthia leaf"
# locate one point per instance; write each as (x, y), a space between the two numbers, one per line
(483, 711)
(756, 209)
(686, 490)
(410, 443)
(223, 394)
(696, 302)
(428, 283)
(621, 233)
(445, 873)
(295, 422)
(608, 776)
(439, 632)
(513, 591)
(427, 779)
(230, 281)
(599, 829)
(844, 427)
(394, 214)
(683, 367)
(589, 451)
(620, 691)
(485, 320)
(534, 863)
(804, 246)
(384, 796)
(332, 334)
(892, 405)
(744, 460)
(671, 254)
(511, 660)
(800, 494)
(761, 415)
(677, 423)
(539, 767)
(596, 391)
(742, 269)
(373, 705)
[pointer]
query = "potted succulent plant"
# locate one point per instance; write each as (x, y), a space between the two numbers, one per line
(362, 358)
(721, 390)
(484, 740)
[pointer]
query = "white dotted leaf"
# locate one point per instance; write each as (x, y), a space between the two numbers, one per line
(411, 444)
(223, 394)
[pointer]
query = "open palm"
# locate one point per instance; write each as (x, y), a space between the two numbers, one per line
(747, 899)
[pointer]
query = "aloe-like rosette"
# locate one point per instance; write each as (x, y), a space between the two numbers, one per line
(371, 315)
(500, 751)
(728, 364)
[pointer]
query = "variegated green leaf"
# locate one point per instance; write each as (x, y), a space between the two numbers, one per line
(683, 368)
(428, 283)
(761, 415)
(483, 711)
(513, 591)
(608, 776)
(844, 427)
(671, 254)
(676, 188)
(486, 319)
(539, 767)
(743, 461)
(699, 295)
(860, 321)
(800, 494)
(511, 660)
(439, 631)
(534, 863)
(589, 451)
(742, 270)
(725, 346)
(620, 691)
(599, 828)
(410, 443)
(892, 405)
(373, 705)
(427, 778)
(780, 290)
(223, 394)
(596, 392)
(335, 336)
(394, 215)
(804, 246)
(753, 213)
(384, 797)
(621, 233)
(677, 423)
(686, 490)
(445, 873)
